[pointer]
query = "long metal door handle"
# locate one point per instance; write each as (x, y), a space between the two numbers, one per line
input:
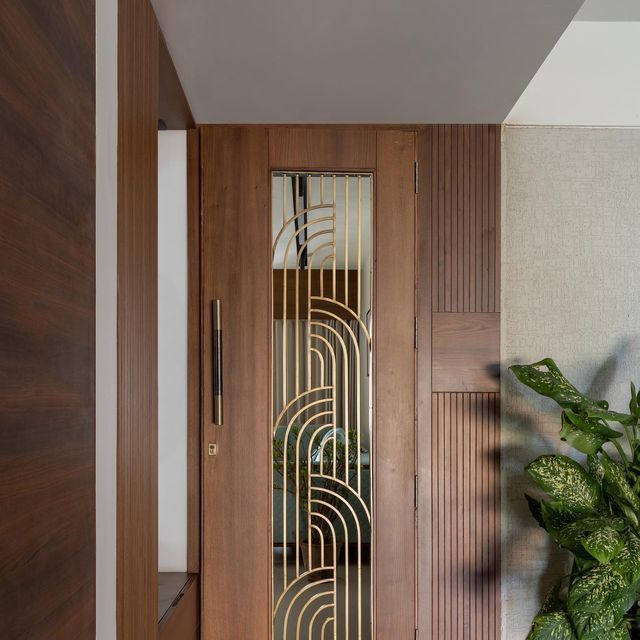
(216, 350)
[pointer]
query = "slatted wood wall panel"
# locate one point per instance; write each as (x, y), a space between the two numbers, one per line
(465, 516)
(464, 175)
(458, 302)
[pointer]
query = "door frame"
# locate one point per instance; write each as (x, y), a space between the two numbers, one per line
(149, 91)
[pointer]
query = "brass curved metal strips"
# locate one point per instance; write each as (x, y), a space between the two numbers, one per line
(322, 389)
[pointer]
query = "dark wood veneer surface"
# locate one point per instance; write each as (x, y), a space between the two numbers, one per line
(137, 413)
(47, 329)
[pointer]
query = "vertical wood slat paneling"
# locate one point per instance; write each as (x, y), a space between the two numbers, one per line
(463, 166)
(465, 545)
(458, 269)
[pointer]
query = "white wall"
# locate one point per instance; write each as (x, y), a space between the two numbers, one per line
(570, 261)
(172, 351)
(106, 292)
(590, 78)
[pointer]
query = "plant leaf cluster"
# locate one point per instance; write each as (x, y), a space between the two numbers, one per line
(592, 510)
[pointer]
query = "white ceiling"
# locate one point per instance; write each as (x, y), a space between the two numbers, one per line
(379, 61)
(609, 10)
(589, 79)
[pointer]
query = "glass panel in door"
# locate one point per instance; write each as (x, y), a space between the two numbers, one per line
(322, 405)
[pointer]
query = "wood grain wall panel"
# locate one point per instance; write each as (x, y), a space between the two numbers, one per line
(331, 148)
(236, 244)
(458, 303)
(465, 352)
(137, 414)
(465, 549)
(47, 331)
(464, 187)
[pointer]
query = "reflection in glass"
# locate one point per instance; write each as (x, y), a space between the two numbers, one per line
(322, 239)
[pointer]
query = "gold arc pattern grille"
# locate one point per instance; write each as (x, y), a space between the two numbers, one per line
(321, 389)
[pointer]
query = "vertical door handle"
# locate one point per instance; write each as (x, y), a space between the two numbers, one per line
(216, 352)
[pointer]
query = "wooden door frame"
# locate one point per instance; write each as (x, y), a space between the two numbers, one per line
(194, 346)
(137, 325)
(431, 203)
(327, 147)
(148, 90)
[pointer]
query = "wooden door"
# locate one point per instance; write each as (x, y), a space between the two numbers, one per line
(239, 165)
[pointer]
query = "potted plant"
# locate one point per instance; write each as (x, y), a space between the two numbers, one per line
(315, 457)
(592, 510)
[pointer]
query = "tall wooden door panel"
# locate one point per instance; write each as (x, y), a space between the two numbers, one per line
(236, 554)
(308, 374)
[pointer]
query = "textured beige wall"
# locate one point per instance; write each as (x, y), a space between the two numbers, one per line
(570, 290)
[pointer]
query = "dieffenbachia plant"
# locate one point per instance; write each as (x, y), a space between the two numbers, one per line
(592, 510)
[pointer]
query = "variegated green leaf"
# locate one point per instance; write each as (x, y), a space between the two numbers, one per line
(551, 626)
(583, 442)
(621, 632)
(627, 562)
(603, 544)
(610, 416)
(601, 590)
(629, 513)
(545, 378)
(595, 427)
(584, 434)
(573, 534)
(615, 478)
(600, 625)
(558, 520)
(556, 515)
(566, 482)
